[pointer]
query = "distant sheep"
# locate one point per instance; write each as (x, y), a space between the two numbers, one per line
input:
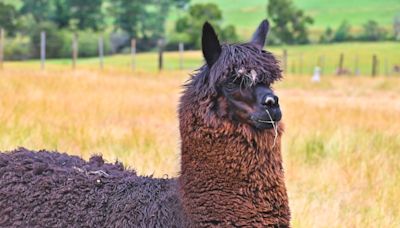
(231, 167)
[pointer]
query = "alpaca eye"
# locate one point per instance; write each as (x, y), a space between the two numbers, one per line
(230, 86)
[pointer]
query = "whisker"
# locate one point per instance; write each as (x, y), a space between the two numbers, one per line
(273, 125)
(266, 121)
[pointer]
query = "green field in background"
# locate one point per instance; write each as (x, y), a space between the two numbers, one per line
(307, 56)
(246, 15)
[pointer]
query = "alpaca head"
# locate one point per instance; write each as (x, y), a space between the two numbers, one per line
(238, 77)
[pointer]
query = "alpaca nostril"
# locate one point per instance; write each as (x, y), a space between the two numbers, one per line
(269, 101)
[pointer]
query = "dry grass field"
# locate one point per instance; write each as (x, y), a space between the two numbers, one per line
(341, 146)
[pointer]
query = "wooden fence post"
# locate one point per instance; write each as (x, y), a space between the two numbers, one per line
(42, 50)
(181, 50)
(160, 54)
(374, 65)
(356, 68)
(301, 64)
(133, 53)
(74, 50)
(321, 64)
(101, 52)
(293, 67)
(1, 47)
(339, 70)
(387, 67)
(284, 61)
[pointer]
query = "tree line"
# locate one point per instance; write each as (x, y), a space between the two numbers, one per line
(371, 31)
(118, 21)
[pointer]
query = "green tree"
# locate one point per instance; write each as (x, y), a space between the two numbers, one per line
(39, 9)
(154, 19)
(127, 15)
(327, 36)
(396, 27)
(61, 14)
(289, 23)
(87, 13)
(343, 32)
(143, 19)
(83, 14)
(229, 34)
(373, 32)
(8, 16)
(180, 4)
(192, 23)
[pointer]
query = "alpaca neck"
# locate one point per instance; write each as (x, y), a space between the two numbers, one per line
(232, 177)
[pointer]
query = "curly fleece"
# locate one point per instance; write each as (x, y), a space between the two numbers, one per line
(50, 189)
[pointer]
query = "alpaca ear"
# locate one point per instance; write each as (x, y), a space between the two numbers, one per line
(260, 34)
(210, 44)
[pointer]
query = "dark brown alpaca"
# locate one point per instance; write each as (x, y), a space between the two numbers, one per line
(231, 172)
(231, 168)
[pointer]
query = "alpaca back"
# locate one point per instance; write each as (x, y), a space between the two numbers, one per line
(46, 189)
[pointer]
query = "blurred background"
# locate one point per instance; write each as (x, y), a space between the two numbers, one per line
(104, 77)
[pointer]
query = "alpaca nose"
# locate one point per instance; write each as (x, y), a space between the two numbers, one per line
(270, 100)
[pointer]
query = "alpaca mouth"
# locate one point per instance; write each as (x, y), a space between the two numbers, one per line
(267, 124)
(268, 121)
(274, 125)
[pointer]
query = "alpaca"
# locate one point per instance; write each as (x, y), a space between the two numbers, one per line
(231, 166)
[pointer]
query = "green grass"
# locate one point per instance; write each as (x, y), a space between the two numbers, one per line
(308, 54)
(246, 15)
(386, 51)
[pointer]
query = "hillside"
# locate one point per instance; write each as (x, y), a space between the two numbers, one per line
(246, 14)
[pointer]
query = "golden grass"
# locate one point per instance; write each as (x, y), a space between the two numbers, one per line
(341, 146)
(341, 152)
(125, 117)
